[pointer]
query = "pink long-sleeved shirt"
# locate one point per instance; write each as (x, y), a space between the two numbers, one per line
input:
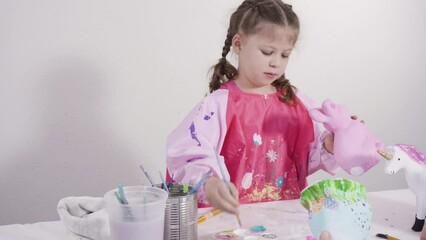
(266, 147)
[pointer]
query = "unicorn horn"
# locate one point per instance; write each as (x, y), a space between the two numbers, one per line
(387, 156)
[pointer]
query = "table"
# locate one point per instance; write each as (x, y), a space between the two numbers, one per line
(393, 214)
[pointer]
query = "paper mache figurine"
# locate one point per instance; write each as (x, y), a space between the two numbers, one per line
(408, 158)
(355, 148)
(339, 206)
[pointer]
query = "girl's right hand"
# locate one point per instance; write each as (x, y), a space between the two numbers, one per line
(325, 235)
(218, 195)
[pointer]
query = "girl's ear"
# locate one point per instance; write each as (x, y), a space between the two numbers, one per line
(236, 43)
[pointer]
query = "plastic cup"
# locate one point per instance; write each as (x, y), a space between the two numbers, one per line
(143, 216)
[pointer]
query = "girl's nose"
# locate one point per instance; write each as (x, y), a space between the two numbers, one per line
(275, 61)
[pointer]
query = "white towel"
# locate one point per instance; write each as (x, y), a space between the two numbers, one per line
(84, 217)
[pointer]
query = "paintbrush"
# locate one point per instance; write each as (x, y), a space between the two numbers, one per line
(147, 175)
(201, 182)
(164, 182)
(385, 236)
(226, 182)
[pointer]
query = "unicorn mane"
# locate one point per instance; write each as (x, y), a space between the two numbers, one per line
(413, 153)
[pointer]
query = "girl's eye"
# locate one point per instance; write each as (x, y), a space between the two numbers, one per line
(266, 53)
(284, 56)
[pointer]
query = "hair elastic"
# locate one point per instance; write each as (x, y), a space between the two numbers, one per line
(253, 5)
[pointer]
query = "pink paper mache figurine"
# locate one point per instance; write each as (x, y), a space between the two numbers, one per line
(407, 157)
(355, 148)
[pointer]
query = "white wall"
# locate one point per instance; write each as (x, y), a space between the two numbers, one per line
(90, 89)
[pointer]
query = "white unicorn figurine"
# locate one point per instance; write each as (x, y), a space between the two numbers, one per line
(407, 157)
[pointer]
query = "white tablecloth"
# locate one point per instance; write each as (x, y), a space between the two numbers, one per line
(393, 214)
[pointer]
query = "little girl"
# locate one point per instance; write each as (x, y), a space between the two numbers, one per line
(253, 123)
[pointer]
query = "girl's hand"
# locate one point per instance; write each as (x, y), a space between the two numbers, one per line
(329, 143)
(423, 234)
(325, 235)
(218, 195)
(355, 117)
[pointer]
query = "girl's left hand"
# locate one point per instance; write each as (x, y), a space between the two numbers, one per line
(329, 143)
(355, 117)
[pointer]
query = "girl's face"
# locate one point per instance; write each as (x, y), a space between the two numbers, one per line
(262, 57)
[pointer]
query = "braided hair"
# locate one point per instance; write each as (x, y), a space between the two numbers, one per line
(246, 19)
